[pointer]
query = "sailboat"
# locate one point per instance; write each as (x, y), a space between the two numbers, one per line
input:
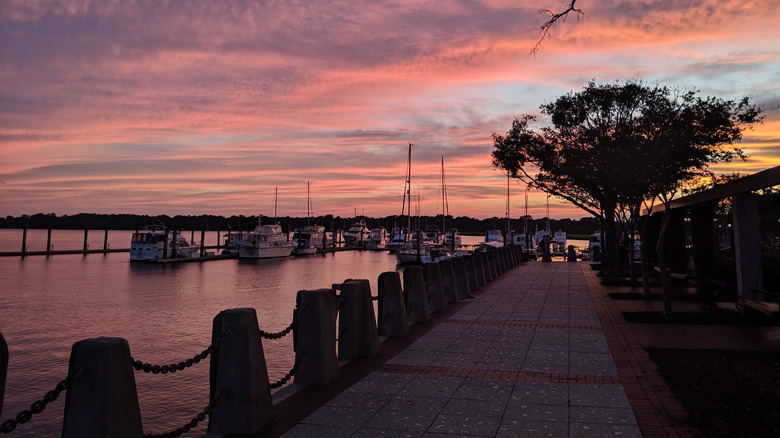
(526, 240)
(310, 238)
(266, 241)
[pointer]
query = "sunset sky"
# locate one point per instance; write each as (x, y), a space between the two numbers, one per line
(204, 107)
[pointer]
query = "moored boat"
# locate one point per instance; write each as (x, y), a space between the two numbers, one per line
(493, 240)
(157, 243)
(309, 239)
(377, 238)
(357, 235)
(266, 241)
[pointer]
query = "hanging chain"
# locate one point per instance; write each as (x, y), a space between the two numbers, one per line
(193, 423)
(172, 368)
(37, 407)
(287, 376)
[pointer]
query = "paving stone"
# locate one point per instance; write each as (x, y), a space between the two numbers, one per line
(417, 404)
(456, 360)
(463, 406)
(382, 383)
(317, 431)
(583, 430)
(532, 429)
(592, 364)
(593, 414)
(418, 358)
(541, 392)
(385, 433)
(521, 410)
(404, 420)
(606, 395)
(476, 425)
(433, 386)
(356, 399)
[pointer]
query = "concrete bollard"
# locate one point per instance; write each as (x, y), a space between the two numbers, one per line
(357, 324)
(416, 298)
(479, 268)
(3, 370)
(238, 375)
(315, 337)
(102, 400)
(394, 322)
(470, 270)
(448, 285)
(489, 265)
(572, 254)
(433, 287)
(461, 281)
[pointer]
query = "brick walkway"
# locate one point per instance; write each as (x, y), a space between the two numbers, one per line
(541, 351)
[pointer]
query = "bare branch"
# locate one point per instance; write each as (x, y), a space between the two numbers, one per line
(544, 29)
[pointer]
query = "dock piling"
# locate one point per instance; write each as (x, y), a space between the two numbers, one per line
(3, 369)
(315, 337)
(416, 298)
(238, 375)
(102, 401)
(358, 335)
(393, 321)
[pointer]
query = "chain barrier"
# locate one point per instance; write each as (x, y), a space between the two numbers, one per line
(193, 423)
(172, 368)
(287, 376)
(283, 333)
(37, 407)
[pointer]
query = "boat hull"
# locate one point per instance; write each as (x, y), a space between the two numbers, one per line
(264, 252)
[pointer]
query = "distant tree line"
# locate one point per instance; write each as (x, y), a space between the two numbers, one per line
(584, 226)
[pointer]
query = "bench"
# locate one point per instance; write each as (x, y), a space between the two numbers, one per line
(762, 306)
(759, 303)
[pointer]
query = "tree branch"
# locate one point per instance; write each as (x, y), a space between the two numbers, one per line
(544, 29)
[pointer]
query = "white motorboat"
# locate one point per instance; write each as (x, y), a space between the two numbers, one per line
(493, 240)
(309, 239)
(377, 239)
(157, 243)
(357, 235)
(230, 241)
(559, 243)
(266, 241)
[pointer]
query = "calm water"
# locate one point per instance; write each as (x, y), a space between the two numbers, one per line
(164, 311)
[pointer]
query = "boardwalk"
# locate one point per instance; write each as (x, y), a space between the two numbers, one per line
(538, 352)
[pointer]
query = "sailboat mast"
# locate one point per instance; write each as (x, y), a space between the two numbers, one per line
(409, 188)
(443, 200)
(308, 204)
(276, 199)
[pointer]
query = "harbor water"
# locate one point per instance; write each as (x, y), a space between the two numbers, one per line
(164, 311)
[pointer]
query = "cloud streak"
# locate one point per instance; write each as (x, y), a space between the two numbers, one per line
(190, 107)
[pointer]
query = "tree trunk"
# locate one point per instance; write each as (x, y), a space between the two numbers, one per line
(662, 260)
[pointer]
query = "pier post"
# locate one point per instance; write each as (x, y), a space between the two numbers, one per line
(315, 337)
(393, 321)
(48, 241)
(416, 299)
(219, 242)
(747, 246)
(3, 370)
(86, 243)
(24, 240)
(461, 281)
(471, 276)
(102, 400)
(238, 375)
(433, 286)
(479, 268)
(202, 242)
(448, 285)
(358, 335)
(105, 241)
(489, 265)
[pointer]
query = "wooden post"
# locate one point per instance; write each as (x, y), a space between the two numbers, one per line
(48, 241)
(417, 301)
(448, 285)
(433, 288)
(393, 321)
(105, 241)
(461, 281)
(471, 277)
(358, 335)
(747, 246)
(102, 400)
(238, 375)
(86, 244)
(219, 243)
(3, 369)
(315, 337)
(202, 242)
(24, 240)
